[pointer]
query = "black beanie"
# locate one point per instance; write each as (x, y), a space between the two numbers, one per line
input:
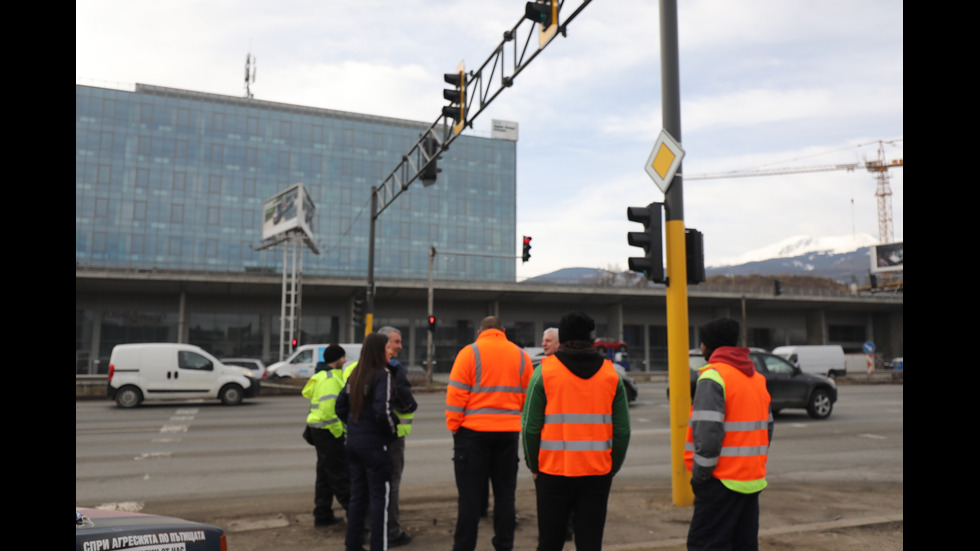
(719, 332)
(575, 326)
(333, 353)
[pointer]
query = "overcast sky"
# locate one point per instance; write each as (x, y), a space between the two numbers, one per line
(764, 84)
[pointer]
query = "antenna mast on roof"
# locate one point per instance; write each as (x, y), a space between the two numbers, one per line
(250, 64)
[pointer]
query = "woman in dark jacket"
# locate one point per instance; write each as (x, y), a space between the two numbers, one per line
(367, 404)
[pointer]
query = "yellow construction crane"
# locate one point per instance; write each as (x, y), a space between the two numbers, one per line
(878, 167)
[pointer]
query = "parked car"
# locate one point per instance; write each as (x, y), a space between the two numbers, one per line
(104, 529)
(606, 344)
(823, 359)
(789, 387)
(301, 364)
(255, 366)
(174, 371)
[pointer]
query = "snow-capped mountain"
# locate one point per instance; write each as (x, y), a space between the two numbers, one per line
(842, 259)
(801, 245)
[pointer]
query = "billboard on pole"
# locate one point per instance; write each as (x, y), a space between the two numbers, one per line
(288, 210)
(888, 257)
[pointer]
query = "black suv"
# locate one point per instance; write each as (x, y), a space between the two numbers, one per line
(789, 388)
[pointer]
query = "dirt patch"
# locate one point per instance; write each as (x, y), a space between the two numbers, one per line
(801, 517)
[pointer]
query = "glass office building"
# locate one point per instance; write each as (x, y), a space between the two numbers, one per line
(171, 179)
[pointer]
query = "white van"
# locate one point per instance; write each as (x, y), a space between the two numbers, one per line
(174, 371)
(301, 364)
(825, 359)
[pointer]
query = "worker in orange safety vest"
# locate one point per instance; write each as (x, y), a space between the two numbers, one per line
(484, 401)
(727, 443)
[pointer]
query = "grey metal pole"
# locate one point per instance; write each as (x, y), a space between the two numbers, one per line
(369, 299)
(428, 348)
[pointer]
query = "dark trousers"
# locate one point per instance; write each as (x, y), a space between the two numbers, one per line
(397, 450)
(559, 497)
(478, 457)
(370, 480)
(332, 479)
(723, 519)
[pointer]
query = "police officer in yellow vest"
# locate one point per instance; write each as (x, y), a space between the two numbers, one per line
(327, 434)
(727, 443)
(396, 536)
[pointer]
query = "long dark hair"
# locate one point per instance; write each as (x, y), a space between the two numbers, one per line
(373, 359)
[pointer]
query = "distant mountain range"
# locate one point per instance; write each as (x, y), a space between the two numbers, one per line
(837, 258)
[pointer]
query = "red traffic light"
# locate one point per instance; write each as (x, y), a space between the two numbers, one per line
(432, 323)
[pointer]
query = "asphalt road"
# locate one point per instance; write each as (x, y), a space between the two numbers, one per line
(188, 458)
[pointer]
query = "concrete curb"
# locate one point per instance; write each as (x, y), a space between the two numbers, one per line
(794, 529)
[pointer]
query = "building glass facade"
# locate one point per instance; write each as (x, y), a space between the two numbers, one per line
(175, 180)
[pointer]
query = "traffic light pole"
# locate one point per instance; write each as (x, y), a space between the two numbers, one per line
(677, 319)
(506, 62)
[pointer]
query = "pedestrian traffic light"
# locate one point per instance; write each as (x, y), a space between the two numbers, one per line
(527, 249)
(651, 264)
(431, 148)
(456, 109)
(358, 314)
(545, 13)
(432, 324)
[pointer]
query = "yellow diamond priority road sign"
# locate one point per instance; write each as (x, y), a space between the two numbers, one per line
(664, 160)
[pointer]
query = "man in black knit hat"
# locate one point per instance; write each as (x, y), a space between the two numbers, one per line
(576, 430)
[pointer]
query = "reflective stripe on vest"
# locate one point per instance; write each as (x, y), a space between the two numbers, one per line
(577, 434)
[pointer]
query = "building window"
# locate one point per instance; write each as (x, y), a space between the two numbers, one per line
(180, 181)
(214, 184)
(214, 219)
(101, 208)
(177, 213)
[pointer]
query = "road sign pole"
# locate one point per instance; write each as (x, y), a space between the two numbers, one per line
(677, 319)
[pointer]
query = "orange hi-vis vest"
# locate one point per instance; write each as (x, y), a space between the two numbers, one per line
(745, 446)
(488, 384)
(577, 436)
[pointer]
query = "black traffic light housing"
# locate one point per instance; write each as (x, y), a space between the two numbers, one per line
(650, 239)
(777, 287)
(429, 173)
(358, 314)
(456, 109)
(526, 255)
(694, 246)
(540, 12)
(432, 324)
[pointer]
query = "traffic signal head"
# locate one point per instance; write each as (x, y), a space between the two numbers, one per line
(526, 255)
(358, 314)
(651, 264)
(295, 342)
(432, 324)
(777, 287)
(545, 13)
(456, 109)
(429, 173)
